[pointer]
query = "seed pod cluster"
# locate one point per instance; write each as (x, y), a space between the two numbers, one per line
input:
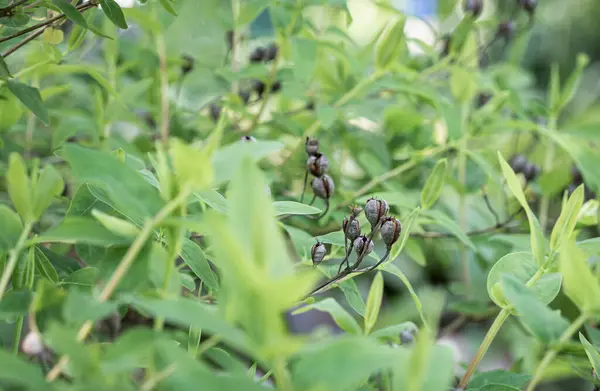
(317, 165)
(520, 164)
(576, 181)
(376, 210)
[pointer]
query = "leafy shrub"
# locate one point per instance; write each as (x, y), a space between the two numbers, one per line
(175, 197)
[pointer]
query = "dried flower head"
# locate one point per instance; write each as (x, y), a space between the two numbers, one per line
(323, 186)
(375, 210)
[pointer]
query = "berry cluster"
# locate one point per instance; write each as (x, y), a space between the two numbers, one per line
(576, 181)
(317, 164)
(376, 212)
(520, 164)
(264, 54)
(258, 87)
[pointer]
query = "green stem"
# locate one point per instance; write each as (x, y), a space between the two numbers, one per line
(13, 258)
(18, 331)
(550, 355)
(282, 377)
(462, 215)
(549, 159)
(491, 335)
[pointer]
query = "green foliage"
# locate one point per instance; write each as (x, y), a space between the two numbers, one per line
(178, 200)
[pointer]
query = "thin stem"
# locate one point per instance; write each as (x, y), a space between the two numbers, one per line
(31, 28)
(282, 377)
(24, 42)
(550, 151)
(462, 211)
(266, 94)
(304, 186)
(382, 260)
(491, 334)
(160, 376)
(122, 269)
(18, 331)
(13, 258)
(208, 344)
(550, 355)
(164, 87)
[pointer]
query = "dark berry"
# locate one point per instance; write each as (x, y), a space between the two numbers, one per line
(572, 187)
(446, 41)
(248, 139)
(310, 106)
(258, 55)
(351, 228)
(276, 87)
(258, 87)
(317, 253)
(506, 30)
(323, 187)
(390, 230)
(531, 171)
(311, 146)
(528, 5)
(473, 7)
(271, 52)
(363, 245)
(229, 39)
(65, 192)
(244, 96)
(483, 98)
(518, 163)
(188, 64)
(215, 111)
(576, 175)
(317, 164)
(376, 210)
(588, 194)
(407, 336)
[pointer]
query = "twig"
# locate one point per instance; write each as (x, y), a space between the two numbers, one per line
(164, 86)
(6, 11)
(489, 206)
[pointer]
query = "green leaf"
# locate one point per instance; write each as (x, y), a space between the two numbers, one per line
(15, 371)
(572, 83)
(114, 182)
(373, 302)
(49, 185)
(591, 352)
(131, 350)
(113, 11)
(44, 266)
(391, 45)
(166, 4)
(393, 269)
(187, 312)
(337, 312)
(545, 324)
(4, 71)
(442, 219)
(71, 12)
(81, 306)
(554, 89)
(81, 230)
(18, 186)
(498, 377)
(392, 333)
(321, 368)
(498, 387)
(194, 257)
(563, 229)
(200, 174)
(538, 241)
(521, 266)
(31, 98)
(213, 199)
(462, 84)
(407, 224)
(15, 303)
(227, 159)
(579, 283)
(10, 229)
(115, 225)
(294, 208)
(434, 184)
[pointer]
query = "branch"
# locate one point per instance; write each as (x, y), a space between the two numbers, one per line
(6, 11)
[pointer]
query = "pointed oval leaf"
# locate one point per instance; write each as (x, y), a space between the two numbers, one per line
(18, 186)
(373, 302)
(580, 283)
(113, 11)
(341, 317)
(434, 184)
(10, 228)
(567, 220)
(31, 98)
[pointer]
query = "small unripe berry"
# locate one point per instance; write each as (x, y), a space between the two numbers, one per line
(531, 171)
(317, 164)
(351, 228)
(518, 163)
(323, 186)
(363, 245)
(317, 253)
(311, 146)
(258, 55)
(375, 210)
(32, 344)
(248, 139)
(215, 111)
(473, 7)
(390, 230)
(407, 337)
(528, 5)
(506, 29)
(271, 52)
